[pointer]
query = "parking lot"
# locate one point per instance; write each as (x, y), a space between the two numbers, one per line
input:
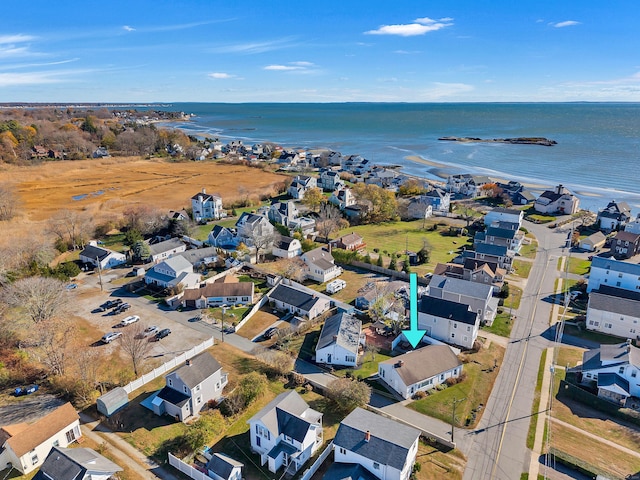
(186, 331)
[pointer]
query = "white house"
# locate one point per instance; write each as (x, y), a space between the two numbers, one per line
(340, 340)
(320, 265)
(330, 180)
(342, 198)
(76, 464)
(560, 200)
(223, 467)
(163, 250)
(500, 214)
(171, 273)
(448, 321)
(385, 448)
(26, 446)
(190, 387)
(206, 206)
(477, 295)
(614, 370)
(286, 432)
(300, 185)
(219, 293)
(633, 226)
(420, 370)
(614, 216)
(286, 247)
(299, 302)
(613, 273)
(467, 184)
(614, 311)
(102, 257)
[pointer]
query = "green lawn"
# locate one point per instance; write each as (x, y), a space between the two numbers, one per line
(367, 368)
(530, 250)
(579, 266)
(475, 389)
(593, 336)
(394, 237)
(536, 402)
(522, 268)
(502, 324)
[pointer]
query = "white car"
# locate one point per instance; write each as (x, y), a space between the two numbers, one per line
(110, 337)
(129, 320)
(152, 330)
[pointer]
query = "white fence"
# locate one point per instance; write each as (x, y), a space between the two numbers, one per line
(187, 469)
(252, 312)
(308, 473)
(165, 367)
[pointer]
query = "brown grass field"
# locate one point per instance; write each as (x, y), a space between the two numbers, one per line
(109, 185)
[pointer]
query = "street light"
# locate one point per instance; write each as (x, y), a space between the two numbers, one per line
(224, 309)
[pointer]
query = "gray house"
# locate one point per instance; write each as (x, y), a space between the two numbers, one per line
(190, 387)
(76, 464)
(478, 296)
(340, 340)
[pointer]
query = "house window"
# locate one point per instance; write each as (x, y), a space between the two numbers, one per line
(376, 466)
(633, 374)
(197, 388)
(71, 436)
(258, 441)
(34, 458)
(607, 325)
(186, 390)
(453, 335)
(455, 325)
(468, 328)
(621, 370)
(350, 358)
(217, 385)
(199, 400)
(620, 275)
(170, 382)
(343, 451)
(617, 284)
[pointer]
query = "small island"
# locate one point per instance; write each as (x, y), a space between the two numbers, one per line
(519, 140)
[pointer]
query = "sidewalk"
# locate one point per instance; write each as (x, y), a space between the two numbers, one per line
(534, 465)
(125, 454)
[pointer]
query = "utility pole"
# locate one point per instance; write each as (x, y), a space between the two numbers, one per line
(99, 272)
(224, 309)
(453, 414)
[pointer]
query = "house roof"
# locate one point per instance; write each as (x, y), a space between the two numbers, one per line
(321, 257)
(288, 414)
(461, 287)
(624, 236)
(389, 441)
(596, 238)
(196, 255)
(615, 300)
(615, 265)
(161, 247)
(293, 297)
(501, 232)
(611, 355)
(174, 397)
(475, 263)
(198, 369)
(222, 465)
(73, 464)
(177, 263)
(423, 363)
(217, 230)
(91, 251)
(283, 242)
(509, 211)
(342, 329)
(348, 471)
(495, 250)
(613, 383)
(438, 307)
(43, 429)
(444, 268)
(220, 289)
(350, 239)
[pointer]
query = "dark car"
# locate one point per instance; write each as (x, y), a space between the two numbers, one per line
(163, 333)
(109, 304)
(270, 332)
(123, 307)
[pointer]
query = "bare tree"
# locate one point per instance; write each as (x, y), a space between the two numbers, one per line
(136, 345)
(259, 238)
(72, 228)
(328, 220)
(54, 344)
(42, 298)
(8, 201)
(144, 219)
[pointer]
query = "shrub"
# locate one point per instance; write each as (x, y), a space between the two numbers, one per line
(348, 394)
(420, 394)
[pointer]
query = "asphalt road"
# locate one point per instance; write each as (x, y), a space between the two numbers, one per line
(498, 445)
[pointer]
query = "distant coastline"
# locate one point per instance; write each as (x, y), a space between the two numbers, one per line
(515, 141)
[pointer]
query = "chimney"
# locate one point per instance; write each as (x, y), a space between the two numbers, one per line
(367, 436)
(559, 192)
(400, 363)
(204, 190)
(188, 363)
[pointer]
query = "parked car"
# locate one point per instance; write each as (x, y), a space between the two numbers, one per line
(163, 333)
(270, 332)
(129, 320)
(109, 304)
(18, 392)
(152, 330)
(123, 307)
(110, 337)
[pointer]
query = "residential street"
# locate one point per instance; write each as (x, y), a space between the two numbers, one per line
(498, 445)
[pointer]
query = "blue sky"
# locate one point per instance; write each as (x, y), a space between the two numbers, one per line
(330, 51)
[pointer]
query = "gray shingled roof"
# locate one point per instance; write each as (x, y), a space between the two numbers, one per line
(161, 247)
(288, 414)
(458, 312)
(348, 471)
(615, 265)
(196, 255)
(510, 211)
(501, 232)
(198, 369)
(296, 298)
(389, 443)
(495, 250)
(462, 287)
(615, 300)
(613, 382)
(91, 251)
(222, 465)
(612, 355)
(424, 363)
(73, 463)
(173, 396)
(343, 329)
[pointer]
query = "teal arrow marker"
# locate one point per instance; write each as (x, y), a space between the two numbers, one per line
(413, 334)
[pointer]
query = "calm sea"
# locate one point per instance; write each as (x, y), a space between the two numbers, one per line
(597, 155)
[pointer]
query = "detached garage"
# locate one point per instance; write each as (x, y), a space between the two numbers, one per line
(592, 242)
(112, 401)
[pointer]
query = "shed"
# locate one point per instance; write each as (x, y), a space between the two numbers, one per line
(593, 242)
(112, 401)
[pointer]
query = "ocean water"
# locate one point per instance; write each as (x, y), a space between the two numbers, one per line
(597, 155)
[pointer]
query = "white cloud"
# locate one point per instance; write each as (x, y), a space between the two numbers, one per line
(13, 51)
(128, 28)
(282, 68)
(32, 78)
(221, 75)
(255, 47)
(566, 23)
(4, 39)
(406, 52)
(420, 26)
(296, 67)
(302, 64)
(442, 90)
